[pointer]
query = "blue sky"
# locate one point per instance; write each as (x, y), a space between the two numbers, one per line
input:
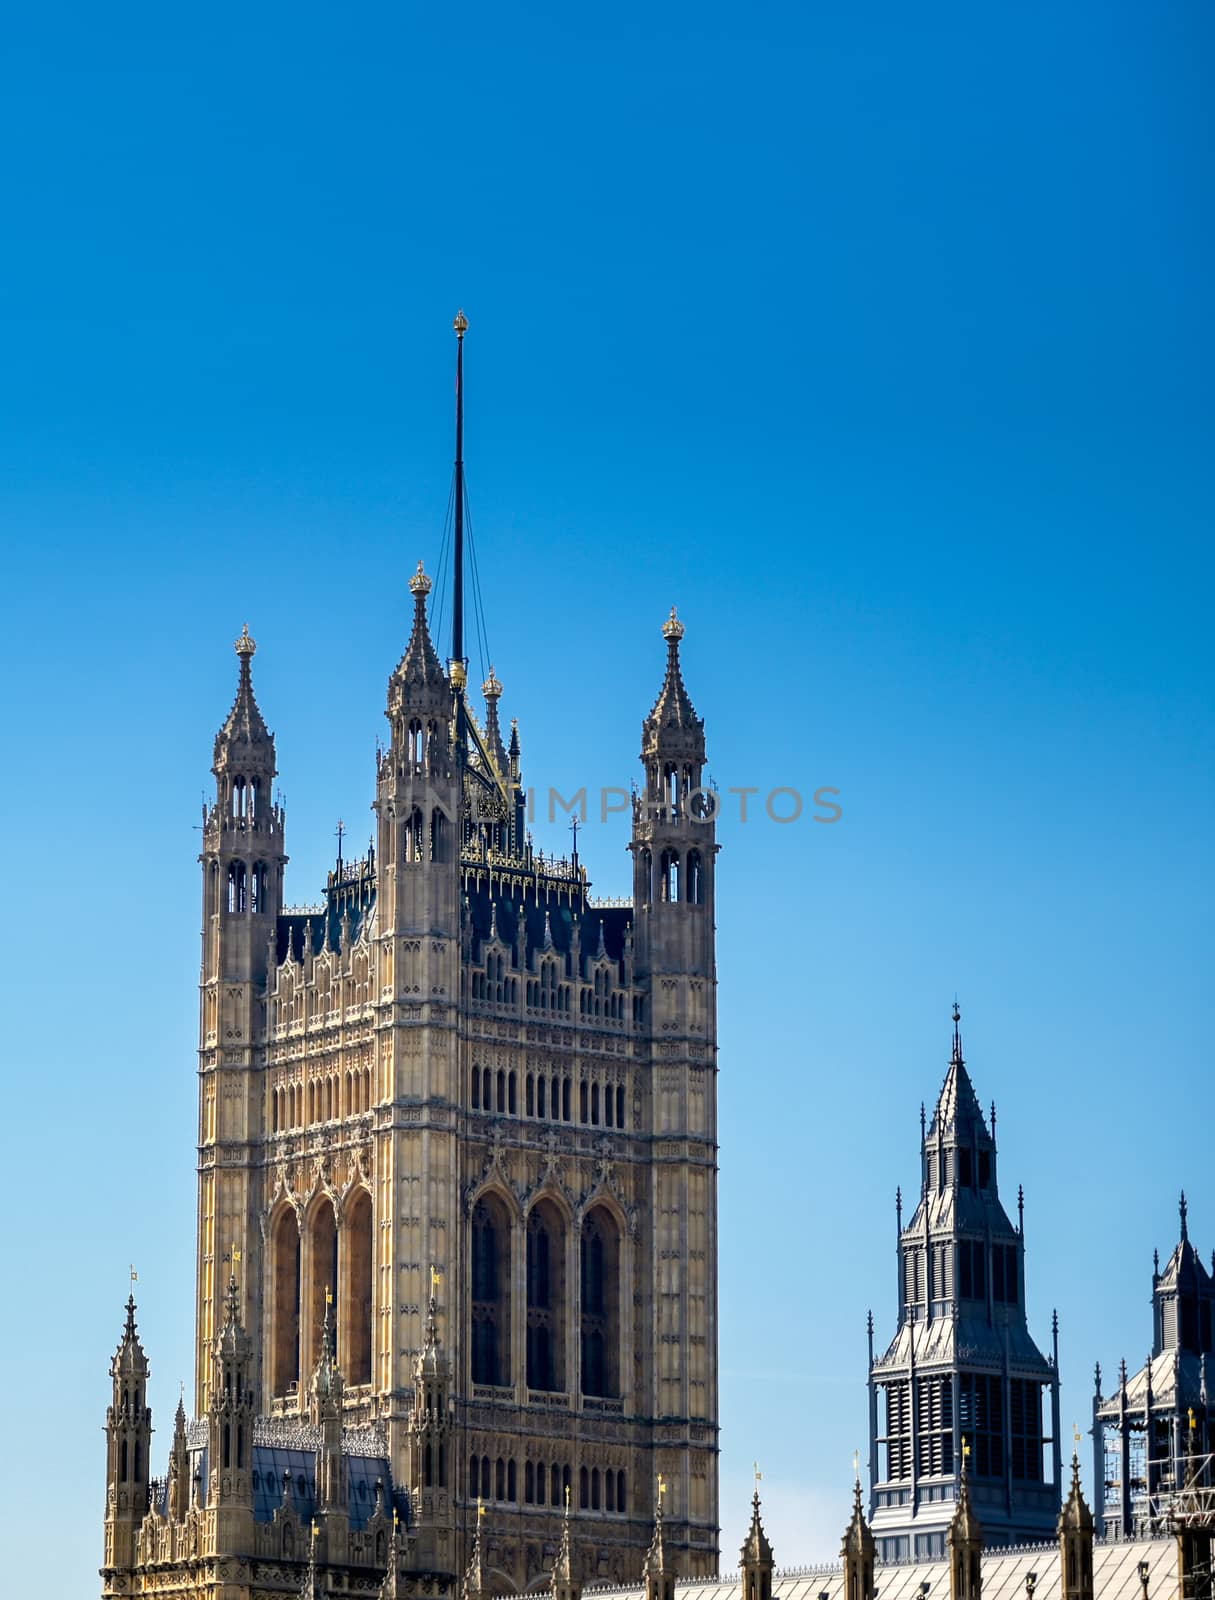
(879, 340)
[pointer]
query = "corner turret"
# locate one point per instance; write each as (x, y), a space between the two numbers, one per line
(128, 1429)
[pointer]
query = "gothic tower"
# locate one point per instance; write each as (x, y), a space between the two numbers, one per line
(1148, 1433)
(962, 1362)
(242, 858)
(458, 1135)
(128, 1430)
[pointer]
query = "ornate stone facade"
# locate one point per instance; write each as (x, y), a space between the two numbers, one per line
(455, 1081)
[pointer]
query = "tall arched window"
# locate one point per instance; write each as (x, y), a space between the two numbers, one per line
(323, 1265)
(238, 887)
(356, 1308)
(415, 841)
(438, 835)
(285, 1312)
(696, 879)
(545, 1298)
(600, 1272)
(669, 874)
(490, 1341)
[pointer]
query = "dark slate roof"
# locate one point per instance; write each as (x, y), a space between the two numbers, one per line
(561, 921)
(271, 1462)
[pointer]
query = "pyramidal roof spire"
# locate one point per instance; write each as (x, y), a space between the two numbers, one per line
(674, 708)
(1075, 1515)
(245, 724)
(129, 1358)
(958, 1113)
(420, 664)
(756, 1550)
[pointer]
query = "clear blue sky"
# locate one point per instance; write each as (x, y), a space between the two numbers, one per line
(878, 338)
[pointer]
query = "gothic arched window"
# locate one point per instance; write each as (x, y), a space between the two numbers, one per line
(599, 1260)
(356, 1303)
(285, 1306)
(490, 1340)
(545, 1298)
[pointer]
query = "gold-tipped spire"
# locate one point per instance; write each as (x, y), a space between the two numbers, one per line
(246, 645)
(672, 628)
(420, 583)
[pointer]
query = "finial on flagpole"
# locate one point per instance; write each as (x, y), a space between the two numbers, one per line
(460, 324)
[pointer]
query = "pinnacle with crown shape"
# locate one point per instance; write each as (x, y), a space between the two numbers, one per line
(672, 723)
(244, 739)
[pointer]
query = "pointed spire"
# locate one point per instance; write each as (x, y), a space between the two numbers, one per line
(659, 1574)
(756, 1551)
(1076, 1538)
(1184, 1209)
(673, 709)
(564, 1584)
(1076, 1515)
(129, 1359)
(420, 664)
(965, 1540)
(958, 1110)
(474, 1578)
(600, 948)
(245, 725)
(858, 1548)
(327, 1382)
(311, 1588)
(548, 930)
(389, 1587)
(492, 690)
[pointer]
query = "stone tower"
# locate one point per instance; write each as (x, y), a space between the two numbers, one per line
(242, 860)
(1156, 1424)
(962, 1361)
(457, 1167)
(128, 1431)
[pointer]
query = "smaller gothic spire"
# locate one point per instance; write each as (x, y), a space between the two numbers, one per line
(327, 1382)
(492, 690)
(474, 1579)
(1184, 1209)
(659, 1573)
(129, 1359)
(756, 1549)
(311, 1588)
(956, 1060)
(673, 708)
(1076, 1538)
(245, 728)
(420, 665)
(965, 1540)
(858, 1548)
(565, 1585)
